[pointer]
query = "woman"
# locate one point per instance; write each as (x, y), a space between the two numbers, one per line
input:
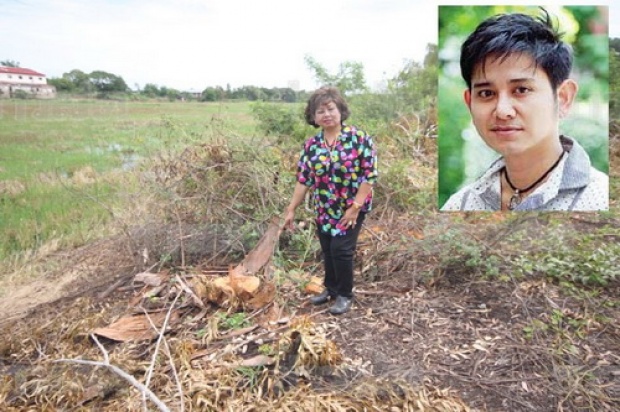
(340, 165)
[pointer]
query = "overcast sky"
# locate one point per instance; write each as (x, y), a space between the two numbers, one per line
(192, 44)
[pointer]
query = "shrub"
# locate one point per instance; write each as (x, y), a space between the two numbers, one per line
(281, 120)
(585, 260)
(21, 94)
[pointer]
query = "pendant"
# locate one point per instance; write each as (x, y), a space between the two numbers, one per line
(515, 199)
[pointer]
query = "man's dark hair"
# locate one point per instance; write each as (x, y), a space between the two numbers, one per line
(323, 96)
(500, 36)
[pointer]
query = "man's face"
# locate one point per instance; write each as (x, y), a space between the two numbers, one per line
(514, 107)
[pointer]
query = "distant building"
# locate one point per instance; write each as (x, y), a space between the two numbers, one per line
(194, 94)
(18, 80)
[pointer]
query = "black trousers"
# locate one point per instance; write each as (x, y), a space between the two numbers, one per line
(338, 254)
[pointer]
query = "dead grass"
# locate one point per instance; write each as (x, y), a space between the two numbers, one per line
(418, 339)
(429, 331)
(218, 370)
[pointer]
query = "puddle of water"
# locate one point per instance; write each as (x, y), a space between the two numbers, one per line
(129, 158)
(114, 147)
(130, 161)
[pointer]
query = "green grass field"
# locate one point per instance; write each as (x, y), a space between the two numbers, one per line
(63, 162)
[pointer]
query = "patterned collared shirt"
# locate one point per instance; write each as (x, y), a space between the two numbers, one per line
(573, 185)
(335, 175)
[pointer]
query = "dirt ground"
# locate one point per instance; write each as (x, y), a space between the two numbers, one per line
(472, 343)
(423, 334)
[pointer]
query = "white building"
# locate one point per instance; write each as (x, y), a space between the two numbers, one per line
(16, 80)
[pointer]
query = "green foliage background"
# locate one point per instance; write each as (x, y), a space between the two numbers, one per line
(584, 27)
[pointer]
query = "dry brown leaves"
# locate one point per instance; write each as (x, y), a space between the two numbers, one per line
(241, 289)
(274, 360)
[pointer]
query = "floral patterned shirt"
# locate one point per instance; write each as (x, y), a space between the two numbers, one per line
(335, 175)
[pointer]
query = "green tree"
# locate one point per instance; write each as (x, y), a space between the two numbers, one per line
(210, 94)
(415, 86)
(80, 80)
(106, 82)
(614, 44)
(349, 79)
(9, 63)
(62, 84)
(410, 94)
(172, 94)
(288, 95)
(251, 93)
(221, 93)
(150, 90)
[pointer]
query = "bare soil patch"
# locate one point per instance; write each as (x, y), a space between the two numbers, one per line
(420, 337)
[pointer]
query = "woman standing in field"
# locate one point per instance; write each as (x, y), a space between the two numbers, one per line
(340, 165)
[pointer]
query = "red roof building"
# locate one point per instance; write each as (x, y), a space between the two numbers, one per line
(19, 81)
(20, 70)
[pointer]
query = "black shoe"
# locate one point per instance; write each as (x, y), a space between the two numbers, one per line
(323, 297)
(341, 306)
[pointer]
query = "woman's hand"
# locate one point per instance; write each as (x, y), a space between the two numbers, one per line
(289, 219)
(349, 220)
(289, 213)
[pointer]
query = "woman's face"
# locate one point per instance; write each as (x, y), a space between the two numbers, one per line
(327, 116)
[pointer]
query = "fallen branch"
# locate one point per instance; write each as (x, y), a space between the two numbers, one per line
(197, 301)
(400, 325)
(373, 234)
(106, 363)
(380, 293)
(154, 359)
(181, 237)
(113, 287)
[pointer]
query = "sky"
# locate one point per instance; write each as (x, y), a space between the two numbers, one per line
(193, 44)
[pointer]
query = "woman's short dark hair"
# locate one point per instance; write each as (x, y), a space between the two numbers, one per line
(502, 35)
(323, 96)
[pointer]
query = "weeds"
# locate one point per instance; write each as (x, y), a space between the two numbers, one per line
(458, 252)
(250, 376)
(587, 262)
(282, 120)
(267, 349)
(68, 213)
(297, 248)
(564, 324)
(233, 321)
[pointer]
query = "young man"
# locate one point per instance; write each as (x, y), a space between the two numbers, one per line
(516, 69)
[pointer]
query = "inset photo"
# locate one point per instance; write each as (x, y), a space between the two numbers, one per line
(523, 108)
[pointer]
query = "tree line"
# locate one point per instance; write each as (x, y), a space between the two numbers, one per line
(413, 85)
(98, 81)
(104, 84)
